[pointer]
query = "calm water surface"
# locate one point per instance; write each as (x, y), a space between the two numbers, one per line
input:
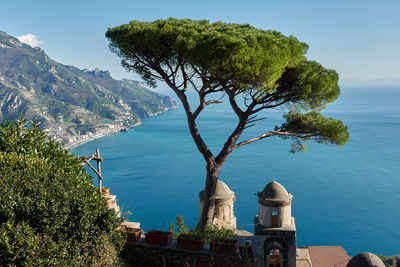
(347, 196)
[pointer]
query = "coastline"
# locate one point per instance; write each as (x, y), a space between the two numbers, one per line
(79, 142)
(84, 139)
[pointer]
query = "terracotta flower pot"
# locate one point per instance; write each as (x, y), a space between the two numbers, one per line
(224, 246)
(160, 238)
(186, 242)
(133, 234)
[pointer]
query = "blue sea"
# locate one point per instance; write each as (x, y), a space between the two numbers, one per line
(348, 196)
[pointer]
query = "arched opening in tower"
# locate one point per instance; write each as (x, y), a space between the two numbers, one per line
(275, 258)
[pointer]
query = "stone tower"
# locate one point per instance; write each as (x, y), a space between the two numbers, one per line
(223, 214)
(275, 224)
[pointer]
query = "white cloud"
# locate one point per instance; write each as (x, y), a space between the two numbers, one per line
(30, 39)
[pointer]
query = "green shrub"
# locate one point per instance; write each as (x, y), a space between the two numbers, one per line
(210, 231)
(195, 234)
(215, 232)
(179, 227)
(50, 214)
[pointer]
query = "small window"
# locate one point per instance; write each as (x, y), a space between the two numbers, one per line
(274, 218)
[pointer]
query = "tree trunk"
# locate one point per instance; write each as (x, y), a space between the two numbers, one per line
(207, 212)
(214, 165)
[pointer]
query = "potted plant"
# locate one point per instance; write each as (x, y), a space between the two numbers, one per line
(133, 234)
(193, 240)
(160, 238)
(221, 240)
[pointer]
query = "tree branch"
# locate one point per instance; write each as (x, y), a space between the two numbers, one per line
(265, 135)
(232, 101)
(172, 74)
(202, 103)
(248, 126)
(213, 102)
(251, 120)
(229, 145)
(191, 120)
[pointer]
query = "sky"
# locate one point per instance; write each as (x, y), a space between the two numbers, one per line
(358, 39)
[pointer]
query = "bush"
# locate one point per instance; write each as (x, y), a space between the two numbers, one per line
(220, 233)
(179, 227)
(50, 214)
(210, 231)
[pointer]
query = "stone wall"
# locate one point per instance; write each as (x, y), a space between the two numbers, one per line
(143, 254)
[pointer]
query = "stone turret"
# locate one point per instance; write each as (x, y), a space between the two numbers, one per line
(274, 206)
(224, 199)
(275, 224)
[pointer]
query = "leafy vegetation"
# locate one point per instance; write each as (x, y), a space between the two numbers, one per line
(195, 234)
(179, 227)
(219, 233)
(50, 214)
(314, 126)
(390, 261)
(210, 231)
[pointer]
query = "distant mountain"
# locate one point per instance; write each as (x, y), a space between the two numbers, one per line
(72, 103)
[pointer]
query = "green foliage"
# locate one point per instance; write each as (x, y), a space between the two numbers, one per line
(264, 66)
(241, 54)
(210, 231)
(50, 212)
(220, 233)
(19, 138)
(309, 85)
(179, 227)
(195, 234)
(390, 261)
(314, 126)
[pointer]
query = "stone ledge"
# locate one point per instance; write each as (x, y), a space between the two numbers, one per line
(143, 254)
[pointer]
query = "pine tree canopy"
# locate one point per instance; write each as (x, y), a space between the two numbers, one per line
(264, 67)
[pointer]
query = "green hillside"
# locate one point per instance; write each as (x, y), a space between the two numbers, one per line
(71, 103)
